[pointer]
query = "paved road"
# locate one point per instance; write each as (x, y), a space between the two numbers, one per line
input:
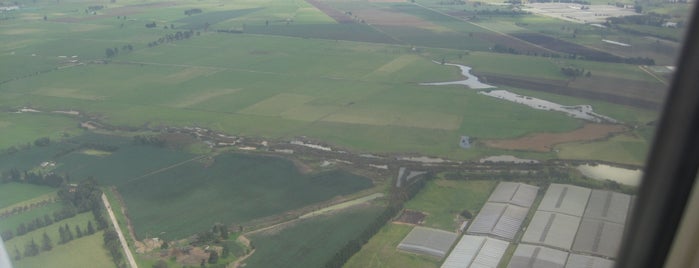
(127, 251)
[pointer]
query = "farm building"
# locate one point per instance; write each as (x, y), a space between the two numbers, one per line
(537, 256)
(584, 261)
(498, 219)
(608, 206)
(519, 194)
(422, 240)
(597, 237)
(476, 251)
(552, 229)
(566, 199)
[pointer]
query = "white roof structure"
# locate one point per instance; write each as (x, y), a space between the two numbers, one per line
(530, 256)
(476, 251)
(552, 229)
(566, 199)
(597, 237)
(519, 194)
(608, 206)
(422, 240)
(498, 219)
(584, 261)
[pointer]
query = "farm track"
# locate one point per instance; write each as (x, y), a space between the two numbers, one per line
(166, 168)
(122, 240)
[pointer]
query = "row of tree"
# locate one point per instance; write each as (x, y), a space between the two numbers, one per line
(50, 179)
(113, 245)
(66, 235)
(20, 209)
(574, 72)
(397, 198)
(179, 35)
(154, 140)
(113, 52)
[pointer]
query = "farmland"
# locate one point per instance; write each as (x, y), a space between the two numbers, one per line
(244, 188)
(381, 251)
(311, 242)
(442, 200)
(186, 113)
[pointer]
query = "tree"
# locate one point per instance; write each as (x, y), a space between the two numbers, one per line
(31, 249)
(62, 235)
(213, 257)
(466, 214)
(69, 233)
(109, 52)
(46, 244)
(160, 264)
(224, 231)
(226, 251)
(18, 256)
(78, 232)
(90, 229)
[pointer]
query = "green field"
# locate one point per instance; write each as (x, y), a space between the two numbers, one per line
(442, 200)
(311, 242)
(251, 85)
(66, 254)
(341, 73)
(13, 193)
(381, 251)
(237, 188)
(84, 252)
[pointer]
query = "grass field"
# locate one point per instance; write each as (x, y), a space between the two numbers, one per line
(76, 253)
(626, 149)
(381, 251)
(83, 252)
(13, 193)
(442, 200)
(310, 242)
(236, 188)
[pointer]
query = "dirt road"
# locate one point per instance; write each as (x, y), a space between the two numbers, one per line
(124, 245)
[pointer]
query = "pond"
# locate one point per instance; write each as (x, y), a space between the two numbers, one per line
(625, 176)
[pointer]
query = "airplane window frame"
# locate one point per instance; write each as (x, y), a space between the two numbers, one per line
(671, 166)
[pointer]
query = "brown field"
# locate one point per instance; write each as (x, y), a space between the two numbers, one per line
(615, 90)
(520, 45)
(335, 14)
(562, 46)
(392, 18)
(544, 142)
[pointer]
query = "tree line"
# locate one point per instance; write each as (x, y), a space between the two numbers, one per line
(179, 35)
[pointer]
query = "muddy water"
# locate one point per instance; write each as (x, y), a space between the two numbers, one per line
(606, 172)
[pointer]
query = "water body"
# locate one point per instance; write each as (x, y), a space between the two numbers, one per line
(471, 80)
(625, 176)
(584, 111)
(578, 111)
(507, 159)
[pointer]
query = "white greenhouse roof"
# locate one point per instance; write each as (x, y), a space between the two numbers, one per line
(608, 206)
(498, 219)
(552, 229)
(428, 241)
(514, 193)
(476, 251)
(566, 199)
(537, 257)
(584, 261)
(600, 238)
